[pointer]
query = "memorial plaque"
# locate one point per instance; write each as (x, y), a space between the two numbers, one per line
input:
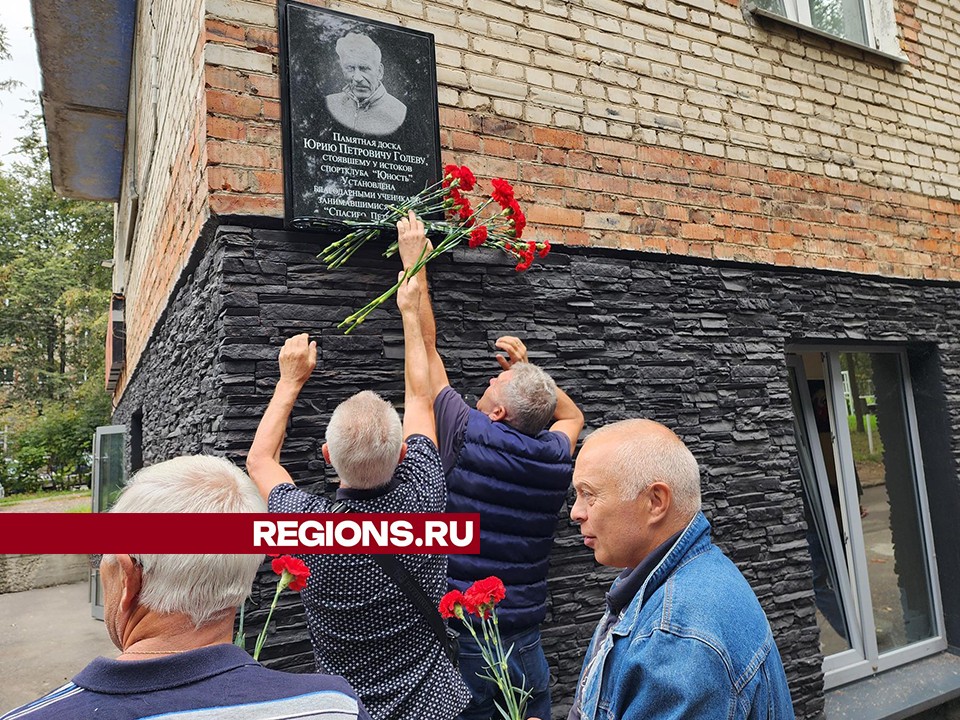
(359, 114)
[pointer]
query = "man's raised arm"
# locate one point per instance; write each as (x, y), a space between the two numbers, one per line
(567, 419)
(412, 240)
(297, 360)
(418, 416)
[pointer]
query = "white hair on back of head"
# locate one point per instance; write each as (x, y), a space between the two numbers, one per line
(364, 438)
(530, 398)
(641, 459)
(201, 586)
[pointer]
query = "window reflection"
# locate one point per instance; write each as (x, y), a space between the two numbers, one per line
(843, 18)
(882, 458)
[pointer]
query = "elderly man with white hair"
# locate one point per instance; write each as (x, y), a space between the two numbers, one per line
(361, 624)
(172, 618)
(364, 105)
(683, 635)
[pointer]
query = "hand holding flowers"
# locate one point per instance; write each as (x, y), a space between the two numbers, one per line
(498, 221)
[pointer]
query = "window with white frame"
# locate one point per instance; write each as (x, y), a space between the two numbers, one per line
(867, 23)
(874, 573)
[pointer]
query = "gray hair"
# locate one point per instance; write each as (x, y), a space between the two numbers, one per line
(201, 586)
(639, 460)
(353, 42)
(364, 438)
(530, 398)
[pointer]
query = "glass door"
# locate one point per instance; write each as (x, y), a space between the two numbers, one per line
(109, 476)
(874, 573)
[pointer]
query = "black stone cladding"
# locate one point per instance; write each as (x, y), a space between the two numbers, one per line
(699, 347)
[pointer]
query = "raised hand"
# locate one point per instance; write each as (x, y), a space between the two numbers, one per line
(515, 349)
(411, 239)
(408, 295)
(298, 358)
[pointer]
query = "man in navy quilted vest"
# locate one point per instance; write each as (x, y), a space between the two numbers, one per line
(510, 459)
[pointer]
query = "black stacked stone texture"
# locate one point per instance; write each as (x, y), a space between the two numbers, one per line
(699, 347)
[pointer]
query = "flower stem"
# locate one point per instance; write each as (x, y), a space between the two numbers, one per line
(239, 640)
(263, 633)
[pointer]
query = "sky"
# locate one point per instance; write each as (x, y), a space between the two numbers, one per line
(16, 18)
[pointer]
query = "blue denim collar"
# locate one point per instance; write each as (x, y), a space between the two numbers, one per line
(694, 540)
(630, 581)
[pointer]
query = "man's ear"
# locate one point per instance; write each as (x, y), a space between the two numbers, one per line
(498, 414)
(403, 453)
(131, 582)
(660, 499)
(325, 449)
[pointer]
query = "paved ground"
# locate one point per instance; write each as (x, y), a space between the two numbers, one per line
(46, 636)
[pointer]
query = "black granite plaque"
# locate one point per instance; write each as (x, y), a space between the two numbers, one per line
(359, 111)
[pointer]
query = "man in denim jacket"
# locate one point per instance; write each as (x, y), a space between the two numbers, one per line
(683, 636)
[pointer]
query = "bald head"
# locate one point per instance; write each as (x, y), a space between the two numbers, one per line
(637, 453)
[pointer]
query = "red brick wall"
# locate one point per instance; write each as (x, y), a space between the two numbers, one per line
(584, 190)
(682, 126)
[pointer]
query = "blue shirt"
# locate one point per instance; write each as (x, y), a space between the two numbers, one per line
(211, 683)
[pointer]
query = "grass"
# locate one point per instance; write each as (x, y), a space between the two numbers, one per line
(42, 495)
(861, 448)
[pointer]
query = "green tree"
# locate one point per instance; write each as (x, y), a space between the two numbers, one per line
(54, 296)
(9, 83)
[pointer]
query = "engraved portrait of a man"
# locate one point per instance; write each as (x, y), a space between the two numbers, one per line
(364, 105)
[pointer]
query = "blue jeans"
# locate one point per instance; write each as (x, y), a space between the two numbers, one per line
(526, 663)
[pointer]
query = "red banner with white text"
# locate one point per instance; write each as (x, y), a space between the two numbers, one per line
(268, 533)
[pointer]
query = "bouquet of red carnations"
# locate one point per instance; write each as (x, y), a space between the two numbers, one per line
(497, 221)
(481, 600)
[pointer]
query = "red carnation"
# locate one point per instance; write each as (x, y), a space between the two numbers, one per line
(453, 199)
(449, 602)
(467, 178)
(526, 260)
(502, 192)
(295, 568)
(484, 594)
(462, 174)
(517, 218)
(466, 212)
(546, 249)
(450, 173)
(478, 236)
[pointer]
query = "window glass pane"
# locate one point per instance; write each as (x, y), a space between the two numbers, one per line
(827, 588)
(774, 6)
(110, 469)
(843, 18)
(884, 465)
